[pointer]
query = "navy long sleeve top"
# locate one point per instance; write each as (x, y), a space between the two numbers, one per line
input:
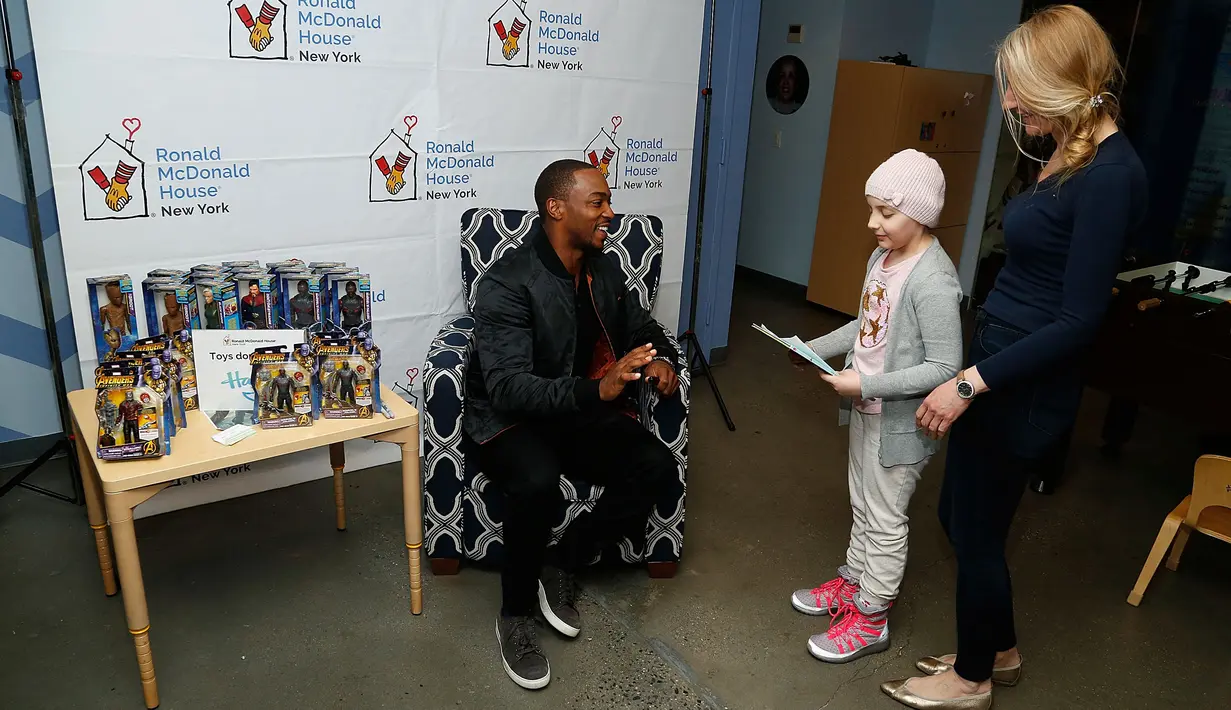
(1064, 242)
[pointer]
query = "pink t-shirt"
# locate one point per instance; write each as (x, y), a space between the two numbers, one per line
(880, 296)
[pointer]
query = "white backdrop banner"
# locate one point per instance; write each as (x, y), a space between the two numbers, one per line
(350, 130)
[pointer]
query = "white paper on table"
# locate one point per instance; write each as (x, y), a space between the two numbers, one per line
(797, 346)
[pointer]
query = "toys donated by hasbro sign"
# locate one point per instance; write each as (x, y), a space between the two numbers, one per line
(114, 314)
(131, 420)
(282, 387)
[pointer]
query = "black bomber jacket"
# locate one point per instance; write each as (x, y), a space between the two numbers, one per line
(525, 336)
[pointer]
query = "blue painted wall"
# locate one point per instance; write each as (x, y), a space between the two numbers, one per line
(25, 365)
(875, 28)
(734, 61)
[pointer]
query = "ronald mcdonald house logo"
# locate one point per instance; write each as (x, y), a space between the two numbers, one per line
(188, 182)
(319, 31)
(394, 167)
(557, 40)
(636, 165)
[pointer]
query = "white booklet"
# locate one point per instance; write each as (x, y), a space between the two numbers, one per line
(797, 346)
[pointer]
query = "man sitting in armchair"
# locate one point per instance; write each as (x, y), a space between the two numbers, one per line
(558, 338)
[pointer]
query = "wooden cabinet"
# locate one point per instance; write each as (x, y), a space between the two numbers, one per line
(878, 110)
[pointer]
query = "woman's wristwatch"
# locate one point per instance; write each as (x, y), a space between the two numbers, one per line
(965, 389)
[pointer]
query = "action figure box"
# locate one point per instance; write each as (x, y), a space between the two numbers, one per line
(169, 307)
(217, 305)
(302, 301)
(283, 388)
(351, 302)
(177, 357)
(114, 314)
(153, 372)
(273, 266)
(320, 265)
(243, 264)
(181, 274)
(256, 305)
(273, 296)
(130, 416)
(348, 378)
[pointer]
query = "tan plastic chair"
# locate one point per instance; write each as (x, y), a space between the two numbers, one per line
(1207, 510)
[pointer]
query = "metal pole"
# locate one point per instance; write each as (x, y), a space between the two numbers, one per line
(707, 94)
(36, 245)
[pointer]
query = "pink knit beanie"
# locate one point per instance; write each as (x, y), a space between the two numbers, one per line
(913, 183)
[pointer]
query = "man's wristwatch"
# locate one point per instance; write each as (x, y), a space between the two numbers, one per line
(965, 389)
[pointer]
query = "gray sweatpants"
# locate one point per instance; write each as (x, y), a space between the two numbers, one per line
(879, 498)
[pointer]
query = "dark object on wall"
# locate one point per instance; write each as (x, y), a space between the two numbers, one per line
(900, 59)
(786, 84)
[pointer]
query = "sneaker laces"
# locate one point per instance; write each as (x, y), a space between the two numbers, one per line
(566, 590)
(849, 626)
(524, 637)
(829, 592)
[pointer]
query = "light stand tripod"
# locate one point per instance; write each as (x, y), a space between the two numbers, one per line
(692, 345)
(64, 442)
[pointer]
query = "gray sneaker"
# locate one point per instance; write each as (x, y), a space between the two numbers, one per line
(828, 598)
(857, 630)
(558, 601)
(520, 653)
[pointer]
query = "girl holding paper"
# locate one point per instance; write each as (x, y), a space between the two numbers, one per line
(907, 340)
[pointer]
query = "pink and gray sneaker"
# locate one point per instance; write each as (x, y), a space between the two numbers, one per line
(829, 597)
(858, 629)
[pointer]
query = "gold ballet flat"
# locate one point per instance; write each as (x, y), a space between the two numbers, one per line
(898, 690)
(1008, 675)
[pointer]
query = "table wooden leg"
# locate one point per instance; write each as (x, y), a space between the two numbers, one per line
(337, 459)
(97, 515)
(412, 495)
(120, 513)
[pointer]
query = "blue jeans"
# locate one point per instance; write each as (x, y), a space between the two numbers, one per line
(992, 449)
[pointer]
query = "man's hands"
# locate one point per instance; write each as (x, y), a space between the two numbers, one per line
(845, 383)
(668, 381)
(625, 371)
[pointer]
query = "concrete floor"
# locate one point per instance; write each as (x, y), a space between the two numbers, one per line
(260, 603)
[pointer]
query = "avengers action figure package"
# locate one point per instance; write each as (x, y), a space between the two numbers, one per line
(154, 373)
(217, 305)
(130, 415)
(302, 300)
(243, 264)
(348, 378)
(169, 308)
(282, 387)
(114, 314)
(273, 266)
(319, 265)
(352, 302)
(181, 274)
(177, 357)
(256, 306)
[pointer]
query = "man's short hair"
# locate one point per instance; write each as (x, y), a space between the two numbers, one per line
(556, 180)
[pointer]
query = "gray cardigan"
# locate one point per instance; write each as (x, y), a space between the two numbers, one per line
(924, 351)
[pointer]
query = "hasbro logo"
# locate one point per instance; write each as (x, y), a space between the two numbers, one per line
(236, 380)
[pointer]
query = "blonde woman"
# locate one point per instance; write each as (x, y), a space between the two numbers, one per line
(1022, 385)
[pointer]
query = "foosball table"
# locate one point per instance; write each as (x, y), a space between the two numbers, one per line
(1166, 343)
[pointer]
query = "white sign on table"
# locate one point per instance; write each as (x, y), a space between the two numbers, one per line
(223, 373)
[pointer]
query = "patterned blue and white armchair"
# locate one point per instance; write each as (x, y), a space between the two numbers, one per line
(463, 510)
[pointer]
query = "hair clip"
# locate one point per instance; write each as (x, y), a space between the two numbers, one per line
(1096, 101)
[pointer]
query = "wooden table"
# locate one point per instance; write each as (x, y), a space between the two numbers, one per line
(113, 489)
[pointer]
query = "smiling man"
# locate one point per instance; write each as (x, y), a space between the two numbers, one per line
(558, 338)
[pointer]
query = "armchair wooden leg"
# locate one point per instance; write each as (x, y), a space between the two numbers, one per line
(445, 566)
(662, 570)
(1165, 535)
(1177, 549)
(337, 459)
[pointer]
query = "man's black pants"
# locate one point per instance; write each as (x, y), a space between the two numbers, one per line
(610, 450)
